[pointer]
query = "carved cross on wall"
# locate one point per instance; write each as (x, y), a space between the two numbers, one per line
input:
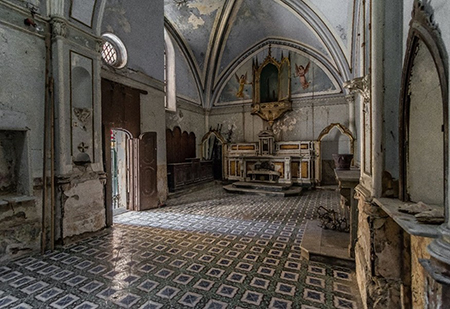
(83, 147)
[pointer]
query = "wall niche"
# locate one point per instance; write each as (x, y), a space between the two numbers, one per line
(14, 175)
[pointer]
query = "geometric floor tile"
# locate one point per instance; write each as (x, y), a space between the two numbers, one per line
(208, 249)
(315, 282)
(313, 295)
(277, 303)
(342, 303)
(252, 297)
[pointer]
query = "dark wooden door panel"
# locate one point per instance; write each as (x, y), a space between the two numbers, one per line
(147, 171)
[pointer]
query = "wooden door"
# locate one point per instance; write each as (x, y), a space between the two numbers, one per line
(148, 197)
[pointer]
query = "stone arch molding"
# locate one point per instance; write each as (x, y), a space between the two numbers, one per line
(344, 130)
(423, 29)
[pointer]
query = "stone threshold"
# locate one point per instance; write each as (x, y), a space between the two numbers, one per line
(326, 246)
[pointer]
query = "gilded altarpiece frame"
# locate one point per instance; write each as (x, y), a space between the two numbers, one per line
(271, 94)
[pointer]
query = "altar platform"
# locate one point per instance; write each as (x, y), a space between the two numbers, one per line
(264, 188)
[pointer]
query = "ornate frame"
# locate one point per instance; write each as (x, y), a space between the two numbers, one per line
(344, 130)
(271, 111)
(422, 29)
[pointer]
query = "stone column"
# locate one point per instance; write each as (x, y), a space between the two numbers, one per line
(437, 286)
(351, 113)
(79, 200)
(377, 87)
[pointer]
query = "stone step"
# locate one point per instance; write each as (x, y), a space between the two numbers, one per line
(326, 246)
(288, 192)
(278, 187)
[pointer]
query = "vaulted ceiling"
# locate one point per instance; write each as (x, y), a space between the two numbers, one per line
(216, 35)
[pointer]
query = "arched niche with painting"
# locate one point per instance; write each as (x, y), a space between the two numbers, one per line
(424, 113)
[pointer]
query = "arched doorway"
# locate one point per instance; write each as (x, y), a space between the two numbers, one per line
(121, 170)
(131, 168)
(334, 139)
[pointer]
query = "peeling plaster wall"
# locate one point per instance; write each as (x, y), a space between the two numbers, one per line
(20, 229)
(23, 86)
(419, 251)
(82, 202)
(22, 96)
(309, 118)
(304, 122)
(140, 26)
(185, 82)
(190, 118)
(378, 257)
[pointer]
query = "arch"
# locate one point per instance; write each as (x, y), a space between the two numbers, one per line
(282, 43)
(169, 74)
(344, 130)
(422, 30)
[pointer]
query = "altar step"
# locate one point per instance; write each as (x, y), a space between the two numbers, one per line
(265, 189)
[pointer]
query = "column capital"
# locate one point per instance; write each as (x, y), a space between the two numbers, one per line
(59, 27)
(360, 85)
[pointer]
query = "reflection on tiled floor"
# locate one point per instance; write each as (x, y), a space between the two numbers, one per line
(209, 249)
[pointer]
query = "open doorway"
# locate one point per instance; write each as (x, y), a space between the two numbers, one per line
(129, 155)
(120, 171)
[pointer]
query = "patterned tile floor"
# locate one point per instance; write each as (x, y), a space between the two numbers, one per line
(208, 249)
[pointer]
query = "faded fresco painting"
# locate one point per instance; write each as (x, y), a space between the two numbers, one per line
(194, 20)
(239, 86)
(309, 77)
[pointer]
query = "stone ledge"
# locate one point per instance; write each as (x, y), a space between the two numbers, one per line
(407, 222)
(15, 199)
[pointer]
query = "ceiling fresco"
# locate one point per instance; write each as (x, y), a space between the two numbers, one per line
(194, 21)
(261, 19)
(217, 37)
(317, 80)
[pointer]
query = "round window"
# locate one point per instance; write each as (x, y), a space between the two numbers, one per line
(114, 52)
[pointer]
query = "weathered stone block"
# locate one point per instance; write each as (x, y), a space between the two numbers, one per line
(83, 206)
(20, 230)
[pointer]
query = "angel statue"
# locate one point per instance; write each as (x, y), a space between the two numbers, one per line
(301, 71)
(242, 82)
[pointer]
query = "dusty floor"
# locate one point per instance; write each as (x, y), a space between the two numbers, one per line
(207, 249)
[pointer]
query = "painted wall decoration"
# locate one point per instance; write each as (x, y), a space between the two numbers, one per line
(300, 72)
(309, 78)
(242, 80)
(238, 89)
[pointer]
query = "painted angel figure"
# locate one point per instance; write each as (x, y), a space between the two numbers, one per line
(301, 71)
(242, 82)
